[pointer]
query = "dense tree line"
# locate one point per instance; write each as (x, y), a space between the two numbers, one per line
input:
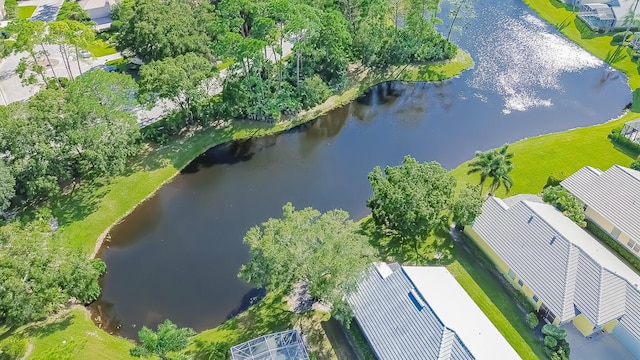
(327, 37)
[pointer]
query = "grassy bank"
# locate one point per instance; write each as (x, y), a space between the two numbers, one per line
(91, 209)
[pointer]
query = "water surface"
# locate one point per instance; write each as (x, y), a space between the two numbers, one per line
(177, 255)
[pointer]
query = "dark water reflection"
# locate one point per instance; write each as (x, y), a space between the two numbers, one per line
(177, 255)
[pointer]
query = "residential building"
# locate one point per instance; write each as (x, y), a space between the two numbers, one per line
(99, 11)
(605, 15)
(611, 200)
(422, 313)
(567, 274)
(631, 130)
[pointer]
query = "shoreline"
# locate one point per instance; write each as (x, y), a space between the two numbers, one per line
(363, 80)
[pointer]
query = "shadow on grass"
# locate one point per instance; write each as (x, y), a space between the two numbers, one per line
(79, 202)
(615, 56)
(44, 330)
(436, 250)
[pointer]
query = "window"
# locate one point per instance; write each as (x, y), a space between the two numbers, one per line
(535, 298)
(520, 282)
(631, 243)
(511, 275)
(636, 247)
(615, 233)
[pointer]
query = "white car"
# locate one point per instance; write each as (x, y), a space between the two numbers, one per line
(85, 54)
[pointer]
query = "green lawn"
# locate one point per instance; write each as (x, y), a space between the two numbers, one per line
(535, 158)
(25, 12)
(101, 48)
(70, 335)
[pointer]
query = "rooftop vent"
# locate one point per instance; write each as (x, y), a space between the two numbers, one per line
(553, 239)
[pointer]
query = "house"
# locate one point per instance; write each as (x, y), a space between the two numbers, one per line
(605, 15)
(99, 11)
(611, 200)
(631, 130)
(284, 345)
(568, 275)
(418, 312)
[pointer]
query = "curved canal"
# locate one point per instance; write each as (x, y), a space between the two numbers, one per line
(177, 255)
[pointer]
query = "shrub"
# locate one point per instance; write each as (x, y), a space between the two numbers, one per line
(621, 37)
(550, 342)
(532, 320)
(11, 9)
(554, 331)
(116, 25)
(636, 164)
(623, 142)
(13, 348)
(564, 201)
(613, 244)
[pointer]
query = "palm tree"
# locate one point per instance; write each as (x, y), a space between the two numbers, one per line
(496, 165)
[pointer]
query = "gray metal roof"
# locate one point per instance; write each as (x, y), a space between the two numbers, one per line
(602, 11)
(614, 194)
(635, 123)
(423, 313)
(285, 345)
(560, 262)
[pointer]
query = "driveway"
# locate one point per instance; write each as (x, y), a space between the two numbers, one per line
(602, 346)
(47, 10)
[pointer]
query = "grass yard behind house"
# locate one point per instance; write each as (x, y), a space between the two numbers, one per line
(25, 12)
(101, 48)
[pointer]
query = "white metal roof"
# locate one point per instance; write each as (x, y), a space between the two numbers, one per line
(459, 312)
(614, 194)
(423, 313)
(566, 267)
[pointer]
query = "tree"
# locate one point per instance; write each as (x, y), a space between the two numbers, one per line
(467, 206)
(29, 34)
(459, 9)
(495, 165)
(326, 251)
(182, 79)
(7, 186)
(38, 275)
(635, 165)
(566, 202)
(100, 131)
(167, 339)
(411, 200)
(157, 29)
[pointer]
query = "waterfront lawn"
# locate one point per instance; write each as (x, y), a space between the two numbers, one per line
(70, 335)
(478, 281)
(567, 152)
(25, 12)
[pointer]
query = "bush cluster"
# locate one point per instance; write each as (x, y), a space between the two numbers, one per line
(11, 9)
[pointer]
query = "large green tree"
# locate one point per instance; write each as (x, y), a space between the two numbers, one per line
(467, 206)
(168, 339)
(495, 165)
(324, 250)
(157, 29)
(39, 276)
(411, 200)
(186, 80)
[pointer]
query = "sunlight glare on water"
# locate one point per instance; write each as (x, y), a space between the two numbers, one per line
(522, 56)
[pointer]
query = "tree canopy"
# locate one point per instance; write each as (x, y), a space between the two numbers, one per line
(39, 276)
(566, 202)
(302, 246)
(411, 200)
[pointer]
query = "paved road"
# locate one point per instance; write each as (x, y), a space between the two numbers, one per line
(47, 10)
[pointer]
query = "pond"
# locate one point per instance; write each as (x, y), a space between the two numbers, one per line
(178, 254)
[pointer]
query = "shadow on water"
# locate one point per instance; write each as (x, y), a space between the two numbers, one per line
(252, 297)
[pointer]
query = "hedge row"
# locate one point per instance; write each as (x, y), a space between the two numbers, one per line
(623, 142)
(614, 245)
